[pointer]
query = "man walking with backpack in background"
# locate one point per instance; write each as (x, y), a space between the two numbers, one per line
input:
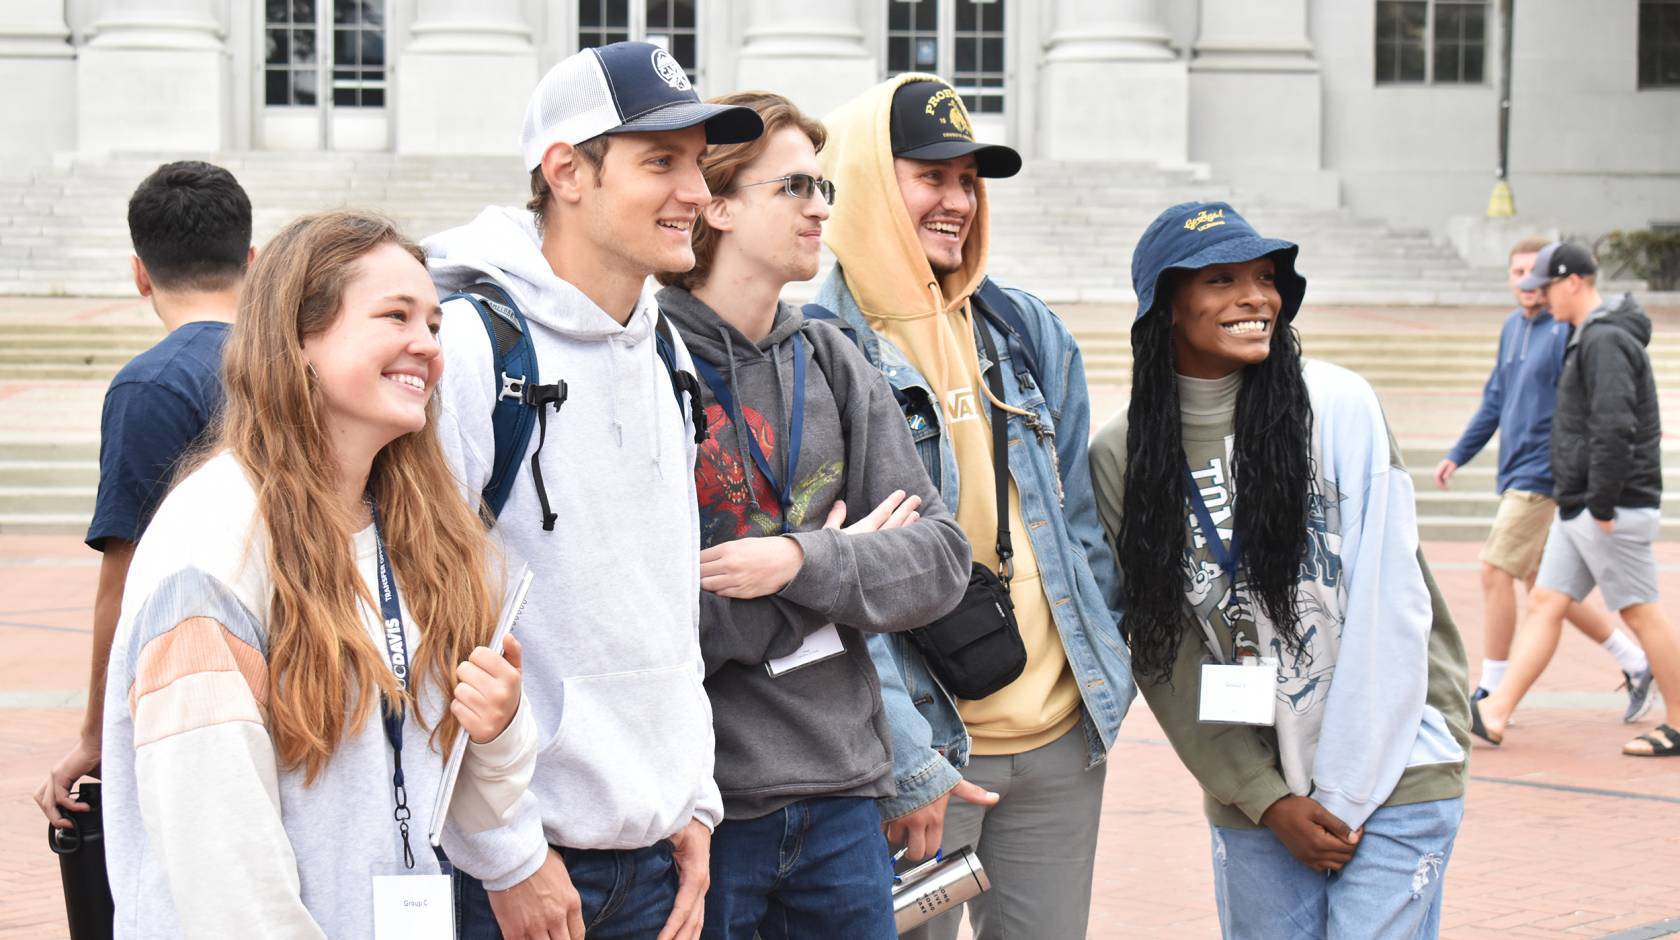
(1607, 463)
(614, 833)
(1517, 402)
(993, 389)
(190, 224)
(801, 428)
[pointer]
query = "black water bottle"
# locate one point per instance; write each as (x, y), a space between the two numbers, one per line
(81, 863)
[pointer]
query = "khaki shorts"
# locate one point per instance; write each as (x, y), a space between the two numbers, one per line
(1519, 533)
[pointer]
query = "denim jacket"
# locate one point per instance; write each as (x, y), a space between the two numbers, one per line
(1052, 474)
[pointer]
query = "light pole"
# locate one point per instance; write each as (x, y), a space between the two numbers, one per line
(1500, 203)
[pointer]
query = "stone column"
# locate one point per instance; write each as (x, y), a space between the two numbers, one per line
(1112, 88)
(464, 77)
(38, 67)
(813, 53)
(153, 77)
(1256, 96)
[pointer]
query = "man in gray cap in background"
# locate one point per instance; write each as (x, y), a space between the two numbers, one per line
(1607, 468)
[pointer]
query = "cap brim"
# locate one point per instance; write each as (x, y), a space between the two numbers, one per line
(1533, 280)
(725, 124)
(993, 161)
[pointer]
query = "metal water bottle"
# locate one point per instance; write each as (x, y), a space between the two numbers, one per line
(938, 885)
(81, 864)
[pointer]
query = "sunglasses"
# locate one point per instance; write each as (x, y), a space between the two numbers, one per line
(800, 186)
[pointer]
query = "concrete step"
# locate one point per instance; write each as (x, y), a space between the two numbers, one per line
(83, 473)
(50, 447)
(47, 500)
(58, 523)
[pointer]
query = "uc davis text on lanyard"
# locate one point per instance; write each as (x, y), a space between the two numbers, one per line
(396, 651)
(783, 486)
(1226, 558)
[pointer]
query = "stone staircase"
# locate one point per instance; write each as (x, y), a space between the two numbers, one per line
(1063, 230)
(47, 481)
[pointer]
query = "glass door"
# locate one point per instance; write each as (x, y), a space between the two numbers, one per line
(668, 24)
(962, 41)
(325, 79)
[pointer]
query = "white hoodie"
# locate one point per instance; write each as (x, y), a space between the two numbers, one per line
(611, 625)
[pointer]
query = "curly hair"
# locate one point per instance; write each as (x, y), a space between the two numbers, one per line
(1272, 465)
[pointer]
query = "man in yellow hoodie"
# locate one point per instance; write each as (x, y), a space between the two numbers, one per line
(910, 234)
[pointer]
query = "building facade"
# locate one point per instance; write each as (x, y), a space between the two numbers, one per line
(1390, 107)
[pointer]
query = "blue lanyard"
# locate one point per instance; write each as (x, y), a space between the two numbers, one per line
(796, 425)
(1227, 560)
(396, 651)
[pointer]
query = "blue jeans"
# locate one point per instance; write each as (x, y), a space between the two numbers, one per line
(626, 894)
(1391, 890)
(816, 868)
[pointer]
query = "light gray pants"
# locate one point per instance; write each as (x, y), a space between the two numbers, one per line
(1039, 843)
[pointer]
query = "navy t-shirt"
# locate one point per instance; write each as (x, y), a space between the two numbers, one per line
(155, 409)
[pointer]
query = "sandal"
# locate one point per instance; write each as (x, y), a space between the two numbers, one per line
(1480, 730)
(1661, 741)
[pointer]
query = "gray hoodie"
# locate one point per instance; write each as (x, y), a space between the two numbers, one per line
(819, 730)
(611, 624)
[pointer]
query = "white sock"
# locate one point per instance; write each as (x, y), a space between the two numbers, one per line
(1493, 672)
(1627, 653)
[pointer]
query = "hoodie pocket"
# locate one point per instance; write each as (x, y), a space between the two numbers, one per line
(631, 759)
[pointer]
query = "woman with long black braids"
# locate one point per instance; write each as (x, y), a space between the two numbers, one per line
(1283, 626)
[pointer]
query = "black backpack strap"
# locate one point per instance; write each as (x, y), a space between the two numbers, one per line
(521, 399)
(1003, 313)
(682, 381)
(1000, 462)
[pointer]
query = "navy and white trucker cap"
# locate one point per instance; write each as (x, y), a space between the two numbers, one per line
(623, 88)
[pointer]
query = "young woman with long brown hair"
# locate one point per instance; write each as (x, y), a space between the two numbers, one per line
(312, 583)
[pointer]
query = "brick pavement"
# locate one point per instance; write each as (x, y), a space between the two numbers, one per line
(1562, 837)
(1537, 857)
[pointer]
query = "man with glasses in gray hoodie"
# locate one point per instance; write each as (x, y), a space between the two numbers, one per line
(617, 837)
(801, 428)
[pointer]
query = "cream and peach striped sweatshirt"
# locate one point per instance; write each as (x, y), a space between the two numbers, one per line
(206, 836)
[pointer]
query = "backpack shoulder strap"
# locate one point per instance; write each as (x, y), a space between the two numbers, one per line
(1005, 314)
(521, 399)
(682, 382)
(819, 312)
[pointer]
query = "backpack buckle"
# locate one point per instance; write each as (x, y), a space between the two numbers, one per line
(513, 388)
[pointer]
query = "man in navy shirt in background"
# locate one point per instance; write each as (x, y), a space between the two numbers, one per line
(190, 223)
(1518, 402)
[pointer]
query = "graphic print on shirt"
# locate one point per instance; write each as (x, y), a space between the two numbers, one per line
(1303, 674)
(736, 501)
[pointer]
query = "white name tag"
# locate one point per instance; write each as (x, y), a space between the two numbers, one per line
(820, 645)
(1240, 695)
(413, 907)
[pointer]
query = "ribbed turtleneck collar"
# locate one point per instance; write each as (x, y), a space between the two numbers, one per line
(1209, 404)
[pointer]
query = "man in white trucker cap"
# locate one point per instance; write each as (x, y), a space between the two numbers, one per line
(614, 834)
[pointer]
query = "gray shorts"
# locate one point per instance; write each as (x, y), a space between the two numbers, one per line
(1580, 555)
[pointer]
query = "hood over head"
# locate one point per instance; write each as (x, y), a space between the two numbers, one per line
(1195, 235)
(871, 232)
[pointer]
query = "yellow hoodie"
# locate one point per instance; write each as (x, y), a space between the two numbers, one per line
(928, 318)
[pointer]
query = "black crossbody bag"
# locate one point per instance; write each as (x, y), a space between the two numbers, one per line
(976, 649)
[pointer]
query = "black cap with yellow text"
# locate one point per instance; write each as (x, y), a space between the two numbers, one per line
(929, 122)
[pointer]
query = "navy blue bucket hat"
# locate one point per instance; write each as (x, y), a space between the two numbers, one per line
(1194, 235)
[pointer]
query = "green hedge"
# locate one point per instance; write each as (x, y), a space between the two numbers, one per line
(1652, 256)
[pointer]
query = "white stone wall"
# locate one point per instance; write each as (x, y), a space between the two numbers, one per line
(1276, 95)
(1589, 150)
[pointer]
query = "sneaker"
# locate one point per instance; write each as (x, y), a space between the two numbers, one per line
(1640, 698)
